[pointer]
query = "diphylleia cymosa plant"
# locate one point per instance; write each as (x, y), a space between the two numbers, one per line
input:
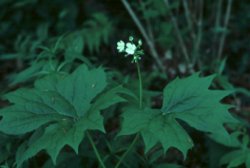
(67, 106)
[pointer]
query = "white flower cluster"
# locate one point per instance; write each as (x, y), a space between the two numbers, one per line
(131, 49)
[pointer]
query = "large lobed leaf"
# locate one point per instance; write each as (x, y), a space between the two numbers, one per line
(190, 100)
(64, 106)
(187, 99)
(155, 127)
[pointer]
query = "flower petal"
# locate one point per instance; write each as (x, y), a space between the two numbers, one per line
(120, 46)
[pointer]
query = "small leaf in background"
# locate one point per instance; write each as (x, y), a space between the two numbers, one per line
(239, 156)
(28, 73)
(74, 46)
(236, 158)
(96, 30)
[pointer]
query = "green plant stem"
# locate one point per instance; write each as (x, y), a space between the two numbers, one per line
(140, 84)
(145, 36)
(129, 149)
(95, 150)
(140, 106)
(227, 17)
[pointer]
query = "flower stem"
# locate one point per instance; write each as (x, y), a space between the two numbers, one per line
(129, 148)
(95, 150)
(140, 84)
(140, 106)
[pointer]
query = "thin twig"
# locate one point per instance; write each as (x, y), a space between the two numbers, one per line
(140, 106)
(216, 26)
(227, 17)
(178, 33)
(140, 84)
(144, 34)
(188, 17)
(218, 15)
(199, 34)
(128, 150)
(95, 150)
(148, 23)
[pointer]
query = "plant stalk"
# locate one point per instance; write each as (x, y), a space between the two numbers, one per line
(178, 33)
(95, 150)
(227, 17)
(140, 106)
(129, 149)
(140, 84)
(188, 18)
(148, 23)
(199, 36)
(216, 26)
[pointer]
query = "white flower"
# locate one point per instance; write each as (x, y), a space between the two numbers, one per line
(120, 46)
(139, 42)
(131, 38)
(130, 48)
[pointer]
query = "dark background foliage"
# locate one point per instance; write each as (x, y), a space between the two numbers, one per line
(40, 37)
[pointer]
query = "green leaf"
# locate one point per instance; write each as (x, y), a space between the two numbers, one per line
(234, 158)
(17, 120)
(190, 100)
(65, 106)
(75, 45)
(186, 99)
(42, 102)
(28, 73)
(56, 136)
(96, 30)
(155, 127)
(81, 87)
(111, 96)
(247, 162)
(49, 82)
(164, 165)
(234, 141)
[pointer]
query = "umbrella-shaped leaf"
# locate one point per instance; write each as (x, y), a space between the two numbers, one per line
(155, 127)
(186, 99)
(65, 106)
